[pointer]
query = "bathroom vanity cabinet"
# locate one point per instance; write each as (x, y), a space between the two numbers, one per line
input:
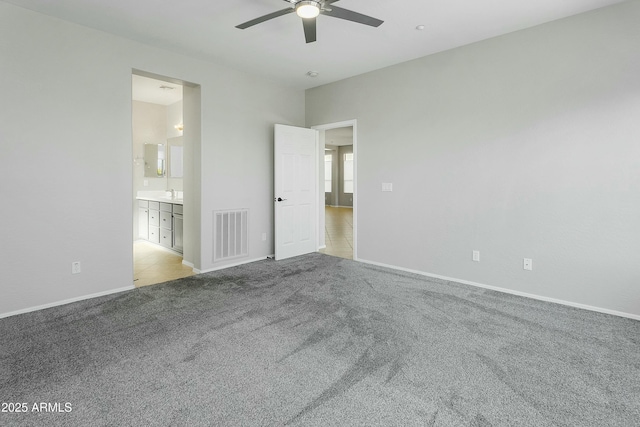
(160, 223)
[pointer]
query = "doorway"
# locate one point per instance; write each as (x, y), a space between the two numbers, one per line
(158, 172)
(338, 184)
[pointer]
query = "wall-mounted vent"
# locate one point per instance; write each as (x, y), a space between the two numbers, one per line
(230, 234)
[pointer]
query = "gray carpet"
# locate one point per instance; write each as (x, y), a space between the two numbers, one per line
(319, 341)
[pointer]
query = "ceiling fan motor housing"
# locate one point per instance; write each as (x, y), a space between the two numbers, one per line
(308, 8)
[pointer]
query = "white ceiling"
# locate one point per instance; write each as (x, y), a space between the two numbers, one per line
(277, 50)
(339, 136)
(155, 91)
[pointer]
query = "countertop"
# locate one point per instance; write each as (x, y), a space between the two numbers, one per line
(158, 197)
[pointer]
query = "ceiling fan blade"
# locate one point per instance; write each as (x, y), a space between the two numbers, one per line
(309, 29)
(265, 18)
(349, 15)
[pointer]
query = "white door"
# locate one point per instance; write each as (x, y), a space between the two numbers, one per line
(295, 192)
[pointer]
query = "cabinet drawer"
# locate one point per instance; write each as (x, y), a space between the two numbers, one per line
(154, 205)
(154, 218)
(165, 238)
(177, 209)
(165, 207)
(154, 234)
(165, 220)
(143, 203)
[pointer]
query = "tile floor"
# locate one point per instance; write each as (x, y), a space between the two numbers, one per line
(338, 232)
(153, 264)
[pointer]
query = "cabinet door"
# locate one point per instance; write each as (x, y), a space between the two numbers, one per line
(177, 233)
(166, 238)
(154, 218)
(143, 223)
(165, 220)
(154, 234)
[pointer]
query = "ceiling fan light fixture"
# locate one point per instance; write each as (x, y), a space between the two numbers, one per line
(308, 9)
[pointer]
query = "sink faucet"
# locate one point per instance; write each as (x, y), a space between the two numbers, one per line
(173, 193)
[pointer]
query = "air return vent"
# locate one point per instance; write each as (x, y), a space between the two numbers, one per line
(230, 234)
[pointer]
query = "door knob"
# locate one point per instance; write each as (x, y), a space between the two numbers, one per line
(279, 199)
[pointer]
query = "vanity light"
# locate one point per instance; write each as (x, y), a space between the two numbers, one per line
(308, 9)
(179, 127)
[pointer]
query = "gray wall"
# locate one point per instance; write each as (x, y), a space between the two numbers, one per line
(524, 145)
(344, 199)
(66, 147)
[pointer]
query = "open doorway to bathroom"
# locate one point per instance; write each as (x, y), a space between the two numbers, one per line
(339, 191)
(158, 170)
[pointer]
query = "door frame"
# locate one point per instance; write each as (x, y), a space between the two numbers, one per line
(321, 217)
(191, 185)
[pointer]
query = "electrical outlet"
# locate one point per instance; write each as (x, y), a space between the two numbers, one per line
(75, 267)
(527, 264)
(387, 186)
(264, 237)
(476, 256)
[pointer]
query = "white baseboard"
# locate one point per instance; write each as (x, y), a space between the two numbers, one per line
(66, 301)
(222, 267)
(393, 267)
(508, 291)
(188, 264)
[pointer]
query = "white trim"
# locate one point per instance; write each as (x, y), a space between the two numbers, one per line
(188, 264)
(508, 291)
(222, 267)
(66, 301)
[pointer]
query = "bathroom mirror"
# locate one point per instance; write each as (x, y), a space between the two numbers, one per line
(154, 160)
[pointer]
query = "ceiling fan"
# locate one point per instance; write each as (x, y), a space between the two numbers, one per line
(308, 10)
